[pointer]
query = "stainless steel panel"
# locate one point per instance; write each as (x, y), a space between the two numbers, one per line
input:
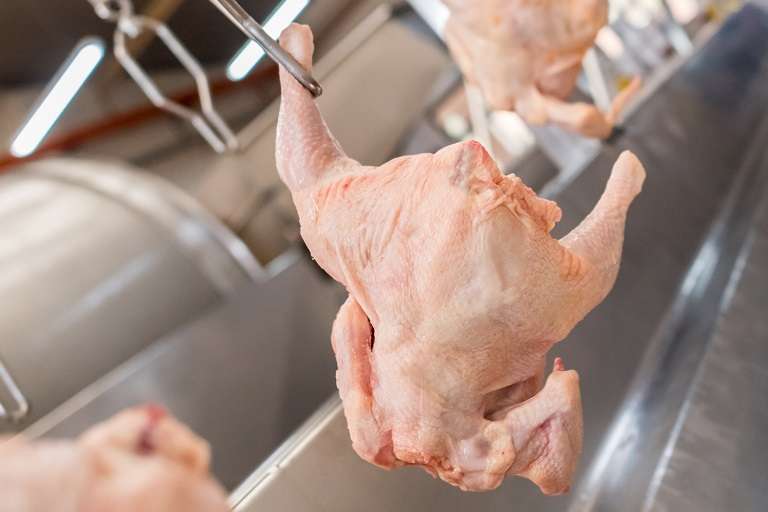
(715, 460)
(96, 263)
(244, 376)
(628, 467)
(693, 134)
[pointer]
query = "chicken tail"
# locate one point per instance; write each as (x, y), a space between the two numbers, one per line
(305, 147)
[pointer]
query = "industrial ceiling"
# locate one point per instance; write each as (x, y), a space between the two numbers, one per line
(37, 35)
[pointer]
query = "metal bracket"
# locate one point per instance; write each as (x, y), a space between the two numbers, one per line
(478, 114)
(208, 122)
(19, 407)
(598, 84)
(675, 32)
(210, 125)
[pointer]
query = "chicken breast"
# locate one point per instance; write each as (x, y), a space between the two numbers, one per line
(456, 294)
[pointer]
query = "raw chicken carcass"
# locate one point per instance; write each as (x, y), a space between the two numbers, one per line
(526, 55)
(140, 460)
(456, 294)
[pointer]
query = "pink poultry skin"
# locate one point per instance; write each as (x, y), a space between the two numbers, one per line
(456, 294)
(140, 460)
(525, 55)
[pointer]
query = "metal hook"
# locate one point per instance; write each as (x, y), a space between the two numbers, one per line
(240, 17)
(112, 10)
(210, 125)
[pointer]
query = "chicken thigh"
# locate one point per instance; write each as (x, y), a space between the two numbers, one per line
(525, 55)
(456, 294)
(140, 460)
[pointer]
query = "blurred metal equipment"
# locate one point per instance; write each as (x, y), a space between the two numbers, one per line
(159, 10)
(478, 116)
(719, 439)
(686, 319)
(248, 26)
(97, 262)
(13, 404)
(209, 125)
(598, 83)
(678, 37)
(243, 376)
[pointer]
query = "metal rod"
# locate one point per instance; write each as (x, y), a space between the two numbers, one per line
(478, 115)
(676, 33)
(20, 406)
(598, 84)
(237, 15)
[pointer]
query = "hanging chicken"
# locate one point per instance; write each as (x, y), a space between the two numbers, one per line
(526, 55)
(456, 294)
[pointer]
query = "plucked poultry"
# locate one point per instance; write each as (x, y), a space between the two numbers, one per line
(456, 294)
(525, 55)
(142, 459)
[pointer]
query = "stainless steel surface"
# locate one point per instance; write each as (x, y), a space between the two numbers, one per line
(720, 436)
(678, 37)
(111, 10)
(240, 17)
(626, 470)
(693, 134)
(97, 262)
(244, 376)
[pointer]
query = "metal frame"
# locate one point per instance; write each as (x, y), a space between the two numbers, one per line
(20, 408)
(210, 125)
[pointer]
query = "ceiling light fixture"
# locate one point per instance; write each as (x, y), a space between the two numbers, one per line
(58, 95)
(434, 13)
(251, 53)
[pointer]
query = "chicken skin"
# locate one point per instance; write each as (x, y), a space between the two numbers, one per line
(456, 294)
(525, 55)
(141, 459)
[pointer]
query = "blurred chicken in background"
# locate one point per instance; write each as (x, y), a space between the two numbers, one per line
(142, 459)
(527, 55)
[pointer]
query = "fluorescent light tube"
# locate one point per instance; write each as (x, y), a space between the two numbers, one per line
(58, 95)
(434, 12)
(251, 53)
